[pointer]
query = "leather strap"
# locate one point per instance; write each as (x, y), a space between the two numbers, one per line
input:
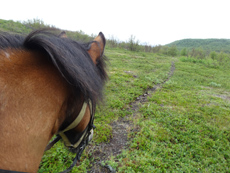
(73, 125)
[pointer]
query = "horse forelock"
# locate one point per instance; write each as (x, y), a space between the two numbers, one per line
(70, 58)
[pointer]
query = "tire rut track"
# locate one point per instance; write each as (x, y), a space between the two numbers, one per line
(150, 91)
(120, 130)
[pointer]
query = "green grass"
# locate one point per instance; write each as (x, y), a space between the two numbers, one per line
(184, 126)
(129, 77)
(130, 74)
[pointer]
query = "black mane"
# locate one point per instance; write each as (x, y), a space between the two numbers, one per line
(8, 40)
(70, 57)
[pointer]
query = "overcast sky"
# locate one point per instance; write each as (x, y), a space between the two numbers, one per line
(150, 21)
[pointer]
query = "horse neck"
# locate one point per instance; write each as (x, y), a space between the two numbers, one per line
(32, 101)
(23, 140)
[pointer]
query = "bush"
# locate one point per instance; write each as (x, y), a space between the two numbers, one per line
(36, 24)
(184, 52)
(112, 42)
(213, 55)
(172, 51)
(198, 53)
(223, 58)
(132, 44)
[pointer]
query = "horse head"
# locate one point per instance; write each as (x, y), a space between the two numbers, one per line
(49, 85)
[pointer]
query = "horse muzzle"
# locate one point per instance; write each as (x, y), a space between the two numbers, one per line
(80, 145)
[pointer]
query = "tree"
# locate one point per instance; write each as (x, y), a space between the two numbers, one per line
(112, 42)
(172, 51)
(164, 50)
(213, 55)
(133, 45)
(184, 52)
(156, 49)
(36, 23)
(221, 57)
(198, 53)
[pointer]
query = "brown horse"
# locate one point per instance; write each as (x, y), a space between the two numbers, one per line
(49, 85)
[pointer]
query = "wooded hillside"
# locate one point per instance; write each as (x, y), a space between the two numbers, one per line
(26, 27)
(207, 45)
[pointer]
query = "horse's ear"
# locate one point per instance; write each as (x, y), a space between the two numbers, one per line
(62, 34)
(97, 47)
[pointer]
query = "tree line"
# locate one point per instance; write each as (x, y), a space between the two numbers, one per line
(221, 58)
(209, 45)
(132, 44)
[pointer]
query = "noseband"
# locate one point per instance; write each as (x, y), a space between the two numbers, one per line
(86, 137)
(73, 125)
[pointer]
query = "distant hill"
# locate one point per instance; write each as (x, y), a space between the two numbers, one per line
(207, 45)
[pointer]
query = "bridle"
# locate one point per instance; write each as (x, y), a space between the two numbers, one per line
(75, 124)
(82, 142)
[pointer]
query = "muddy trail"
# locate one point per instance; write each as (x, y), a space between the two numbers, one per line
(121, 128)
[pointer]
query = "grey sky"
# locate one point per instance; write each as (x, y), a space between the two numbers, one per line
(150, 21)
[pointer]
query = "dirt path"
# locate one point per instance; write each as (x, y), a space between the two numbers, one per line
(121, 128)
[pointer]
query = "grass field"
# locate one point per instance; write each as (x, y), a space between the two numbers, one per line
(184, 126)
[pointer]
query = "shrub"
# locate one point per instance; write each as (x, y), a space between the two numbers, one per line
(132, 44)
(172, 51)
(184, 52)
(213, 55)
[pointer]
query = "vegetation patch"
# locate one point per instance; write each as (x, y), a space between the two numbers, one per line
(182, 128)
